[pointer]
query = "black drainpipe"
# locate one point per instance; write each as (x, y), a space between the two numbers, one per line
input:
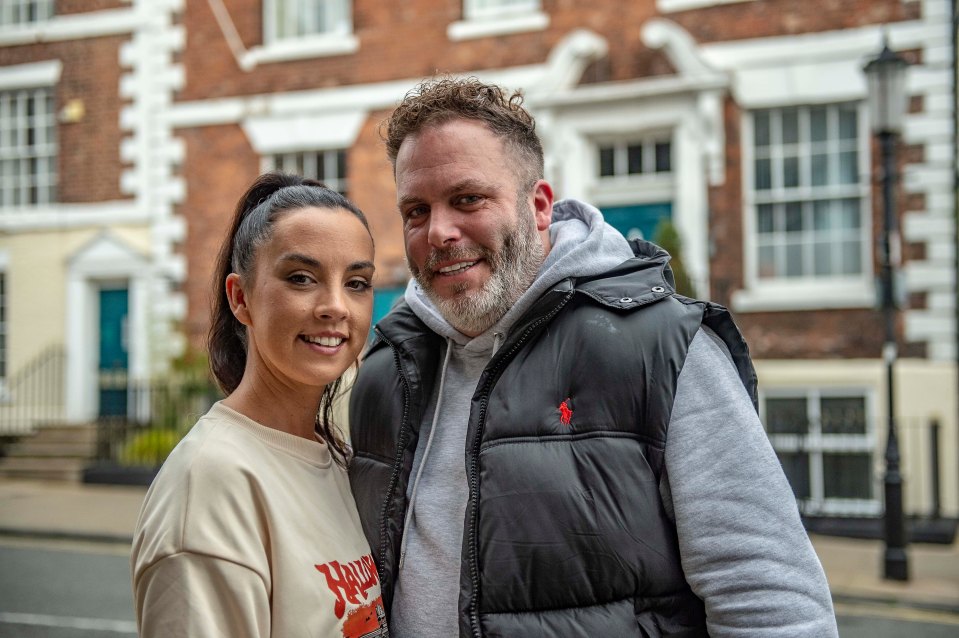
(955, 169)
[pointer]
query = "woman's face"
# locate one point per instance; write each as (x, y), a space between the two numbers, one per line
(308, 302)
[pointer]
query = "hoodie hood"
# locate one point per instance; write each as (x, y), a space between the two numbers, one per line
(583, 245)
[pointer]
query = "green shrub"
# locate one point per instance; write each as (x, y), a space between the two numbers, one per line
(667, 238)
(149, 447)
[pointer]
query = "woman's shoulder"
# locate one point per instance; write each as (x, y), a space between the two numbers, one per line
(203, 495)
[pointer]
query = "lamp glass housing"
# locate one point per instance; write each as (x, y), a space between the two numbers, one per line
(886, 81)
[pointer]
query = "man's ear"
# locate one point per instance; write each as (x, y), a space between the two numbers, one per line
(237, 298)
(542, 204)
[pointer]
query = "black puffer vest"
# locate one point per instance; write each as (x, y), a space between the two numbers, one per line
(565, 534)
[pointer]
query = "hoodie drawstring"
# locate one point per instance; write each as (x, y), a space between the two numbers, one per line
(411, 512)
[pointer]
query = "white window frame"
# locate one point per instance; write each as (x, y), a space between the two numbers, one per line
(287, 162)
(809, 292)
(339, 12)
(18, 160)
(480, 20)
(814, 444)
(621, 147)
(338, 40)
(623, 188)
(16, 12)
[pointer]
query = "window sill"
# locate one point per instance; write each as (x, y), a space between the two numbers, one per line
(667, 6)
(805, 295)
(497, 25)
(90, 24)
(319, 46)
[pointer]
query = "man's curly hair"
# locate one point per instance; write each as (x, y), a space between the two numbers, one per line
(437, 101)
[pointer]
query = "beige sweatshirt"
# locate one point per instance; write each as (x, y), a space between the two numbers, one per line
(249, 531)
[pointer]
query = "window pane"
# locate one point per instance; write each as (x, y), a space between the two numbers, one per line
(790, 124)
(790, 172)
(794, 260)
(298, 18)
(663, 157)
(822, 258)
(786, 416)
(847, 476)
(798, 151)
(634, 159)
(819, 169)
(27, 147)
(847, 123)
(767, 261)
(606, 167)
(796, 468)
(341, 164)
(817, 124)
(849, 215)
(843, 415)
(765, 218)
(763, 174)
(794, 217)
(823, 217)
(851, 257)
(761, 127)
(849, 167)
(322, 171)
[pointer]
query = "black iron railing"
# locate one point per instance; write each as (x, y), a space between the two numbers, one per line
(158, 413)
(35, 395)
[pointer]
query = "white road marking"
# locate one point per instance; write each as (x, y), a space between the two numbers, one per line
(70, 622)
(908, 614)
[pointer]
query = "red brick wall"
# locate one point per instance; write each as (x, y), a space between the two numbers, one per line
(64, 7)
(836, 334)
(89, 150)
(220, 165)
(408, 40)
(404, 40)
(726, 217)
(766, 18)
(373, 190)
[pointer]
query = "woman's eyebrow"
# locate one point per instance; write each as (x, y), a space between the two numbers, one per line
(303, 259)
(310, 262)
(361, 265)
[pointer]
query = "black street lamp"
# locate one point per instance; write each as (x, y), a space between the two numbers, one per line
(885, 76)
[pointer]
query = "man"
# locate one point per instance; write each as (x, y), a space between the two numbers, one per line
(548, 440)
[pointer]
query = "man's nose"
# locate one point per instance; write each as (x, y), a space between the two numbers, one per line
(444, 226)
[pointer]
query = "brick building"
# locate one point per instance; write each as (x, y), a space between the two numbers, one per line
(744, 122)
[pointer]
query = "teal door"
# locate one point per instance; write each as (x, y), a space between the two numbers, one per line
(114, 359)
(637, 220)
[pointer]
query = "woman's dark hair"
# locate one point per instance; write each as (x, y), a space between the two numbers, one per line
(267, 199)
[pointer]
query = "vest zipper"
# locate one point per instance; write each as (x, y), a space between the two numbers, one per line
(474, 460)
(397, 461)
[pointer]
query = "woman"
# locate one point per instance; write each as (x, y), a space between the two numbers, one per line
(250, 528)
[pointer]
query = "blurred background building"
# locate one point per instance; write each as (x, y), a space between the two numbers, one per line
(736, 129)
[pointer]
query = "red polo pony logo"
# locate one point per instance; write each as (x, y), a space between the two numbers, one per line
(565, 413)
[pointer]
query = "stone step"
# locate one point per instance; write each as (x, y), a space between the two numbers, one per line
(84, 433)
(53, 452)
(44, 449)
(54, 469)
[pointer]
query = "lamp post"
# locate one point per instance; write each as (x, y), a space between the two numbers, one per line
(885, 76)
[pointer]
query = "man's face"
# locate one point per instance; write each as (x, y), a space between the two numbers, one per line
(475, 238)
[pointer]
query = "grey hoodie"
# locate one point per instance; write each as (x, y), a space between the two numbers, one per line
(743, 547)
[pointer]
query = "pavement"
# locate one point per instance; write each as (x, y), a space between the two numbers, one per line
(106, 513)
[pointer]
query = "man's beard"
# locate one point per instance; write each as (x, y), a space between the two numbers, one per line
(512, 270)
